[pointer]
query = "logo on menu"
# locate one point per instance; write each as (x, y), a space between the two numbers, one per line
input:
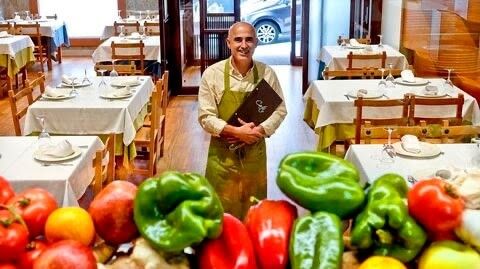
(261, 107)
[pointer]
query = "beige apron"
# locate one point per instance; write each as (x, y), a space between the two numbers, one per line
(236, 175)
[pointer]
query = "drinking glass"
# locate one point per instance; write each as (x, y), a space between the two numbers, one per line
(382, 84)
(448, 84)
(390, 80)
(143, 30)
(114, 72)
(44, 140)
(380, 42)
(343, 44)
(102, 83)
(122, 31)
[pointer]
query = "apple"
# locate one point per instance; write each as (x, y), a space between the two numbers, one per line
(66, 254)
(449, 255)
(112, 212)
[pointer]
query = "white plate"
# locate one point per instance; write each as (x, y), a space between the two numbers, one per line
(440, 93)
(427, 150)
(123, 83)
(60, 97)
(77, 84)
(5, 36)
(135, 37)
(418, 82)
(356, 47)
(112, 96)
(371, 94)
(47, 158)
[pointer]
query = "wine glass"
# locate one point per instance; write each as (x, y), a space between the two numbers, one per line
(380, 42)
(148, 15)
(114, 72)
(382, 84)
(15, 16)
(139, 15)
(44, 140)
(388, 154)
(74, 91)
(85, 79)
(390, 80)
(448, 84)
(343, 43)
(143, 30)
(27, 15)
(102, 83)
(122, 31)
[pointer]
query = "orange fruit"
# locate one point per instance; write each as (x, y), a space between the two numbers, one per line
(70, 223)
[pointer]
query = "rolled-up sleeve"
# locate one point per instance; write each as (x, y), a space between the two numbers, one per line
(207, 105)
(271, 124)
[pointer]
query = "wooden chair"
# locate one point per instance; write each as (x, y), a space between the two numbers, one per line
(149, 140)
(147, 122)
(104, 165)
(37, 83)
(7, 27)
(362, 73)
(459, 133)
(381, 58)
(128, 52)
(436, 103)
(371, 134)
(33, 30)
(152, 28)
(122, 69)
(361, 104)
(18, 106)
(128, 27)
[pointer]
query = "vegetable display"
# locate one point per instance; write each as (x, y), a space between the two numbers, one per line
(385, 225)
(269, 224)
(176, 210)
(321, 182)
(317, 242)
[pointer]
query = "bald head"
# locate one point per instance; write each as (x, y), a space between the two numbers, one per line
(241, 26)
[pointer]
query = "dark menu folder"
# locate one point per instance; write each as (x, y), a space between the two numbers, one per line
(257, 106)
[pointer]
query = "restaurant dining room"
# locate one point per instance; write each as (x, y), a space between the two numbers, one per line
(240, 134)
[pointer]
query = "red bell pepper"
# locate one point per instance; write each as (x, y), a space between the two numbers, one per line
(436, 206)
(231, 250)
(269, 224)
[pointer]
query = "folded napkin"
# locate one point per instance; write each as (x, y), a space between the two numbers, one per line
(61, 149)
(67, 80)
(411, 144)
(122, 92)
(362, 92)
(354, 43)
(4, 34)
(56, 92)
(431, 90)
(407, 76)
(126, 81)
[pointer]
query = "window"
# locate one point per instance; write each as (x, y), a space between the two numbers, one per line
(86, 18)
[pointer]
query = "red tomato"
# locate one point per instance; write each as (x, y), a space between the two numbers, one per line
(34, 249)
(435, 205)
(13, 237)
(112, 212)
(6, 191)
(34, 205)
(7, 266)
(66, 254)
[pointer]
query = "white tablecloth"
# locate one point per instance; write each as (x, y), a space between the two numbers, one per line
(453, 156)
(66, 183)
(88, 113)
(109, 31)
(13, 44)
(334, 107)
(103, 53)
(48, 27)
(335, 57)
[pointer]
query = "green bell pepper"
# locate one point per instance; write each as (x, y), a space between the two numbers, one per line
(321, 182)
(317, 242)
(175, 210)
(385, 225)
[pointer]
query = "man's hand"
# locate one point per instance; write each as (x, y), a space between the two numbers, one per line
(247, 133)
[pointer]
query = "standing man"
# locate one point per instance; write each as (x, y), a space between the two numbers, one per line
(237, 173)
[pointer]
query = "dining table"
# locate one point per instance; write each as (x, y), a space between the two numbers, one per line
(109, 30)
(412, 167)
(67, 179)
(329, 105)
(103, 53)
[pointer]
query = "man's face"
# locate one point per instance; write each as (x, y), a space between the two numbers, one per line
(242, 42)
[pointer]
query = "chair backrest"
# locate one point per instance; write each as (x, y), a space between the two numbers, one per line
(127, 69)
(104, 164)
(452, 134)
(362, 73)
(130, 51)
(390, 112)
(18, 106)
(439, 104)
(370, 133)
(366, 60)
(128, 27)
(30, 29)
(152, 28)
(6, 26)
(37, 83)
